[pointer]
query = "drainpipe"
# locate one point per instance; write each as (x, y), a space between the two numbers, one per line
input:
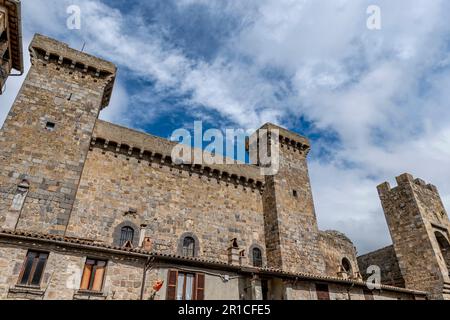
(147, 267)
(348, 291)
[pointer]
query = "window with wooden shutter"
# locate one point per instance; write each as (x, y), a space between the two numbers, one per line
(200, 286)
(93, 275)
(185, 286)
(323, 292)
(33, 269)
(172, 285)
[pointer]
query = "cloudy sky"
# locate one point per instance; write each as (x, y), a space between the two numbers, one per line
(375, 103)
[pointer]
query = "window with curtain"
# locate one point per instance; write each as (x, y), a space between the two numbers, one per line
(126, 234)
(185, 286)
(33, 269)
(185, 289)
(93, 275)
(189, 247)
(257, 258)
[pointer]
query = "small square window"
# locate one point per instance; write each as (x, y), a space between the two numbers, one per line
(50, 126)
(295, 193)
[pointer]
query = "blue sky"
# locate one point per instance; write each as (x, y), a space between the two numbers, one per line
(375, 103)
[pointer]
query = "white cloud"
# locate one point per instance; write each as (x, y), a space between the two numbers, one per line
(383, 93)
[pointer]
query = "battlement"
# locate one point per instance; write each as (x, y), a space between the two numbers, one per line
(336, 236)
(287, 140)
(404, 180)
(52, 51)
(145, 147)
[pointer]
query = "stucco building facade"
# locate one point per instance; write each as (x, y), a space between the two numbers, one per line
(92, 210)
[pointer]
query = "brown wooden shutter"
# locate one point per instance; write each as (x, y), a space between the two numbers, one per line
(200, 286)
(86, 277)
(98, 278)
(172, 285)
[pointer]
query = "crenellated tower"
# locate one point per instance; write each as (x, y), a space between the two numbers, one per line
(419, 228)
(45, 139)
(291, 231)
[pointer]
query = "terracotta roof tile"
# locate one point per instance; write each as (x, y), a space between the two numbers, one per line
(96, 244)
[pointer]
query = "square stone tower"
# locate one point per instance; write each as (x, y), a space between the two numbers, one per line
(291, 231)
(419, 228)
(11, 56)
(46, 137)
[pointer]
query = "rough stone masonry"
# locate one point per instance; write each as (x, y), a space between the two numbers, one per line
(92, 210)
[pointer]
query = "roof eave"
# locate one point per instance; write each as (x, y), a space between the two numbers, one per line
(19, 63)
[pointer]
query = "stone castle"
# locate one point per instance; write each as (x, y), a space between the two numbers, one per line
(92, 210)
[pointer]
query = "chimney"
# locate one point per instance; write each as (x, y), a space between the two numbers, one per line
(147, 244)
(142, 235)
(233, 253)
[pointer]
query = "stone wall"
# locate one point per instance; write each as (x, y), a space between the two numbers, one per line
(414, 213)
(64, 172)
(62, 277)
(292, 234)
(168, 201)
(335, 247)
(123, 278)
(306, 290)
(386, 260)
(124, 275)
(46, 136)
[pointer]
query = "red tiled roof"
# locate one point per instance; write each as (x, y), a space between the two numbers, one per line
(136, 251)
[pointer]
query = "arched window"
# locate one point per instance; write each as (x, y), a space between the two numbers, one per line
(257, 257)
(189, 247)
(126, 235)
(346, 266)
